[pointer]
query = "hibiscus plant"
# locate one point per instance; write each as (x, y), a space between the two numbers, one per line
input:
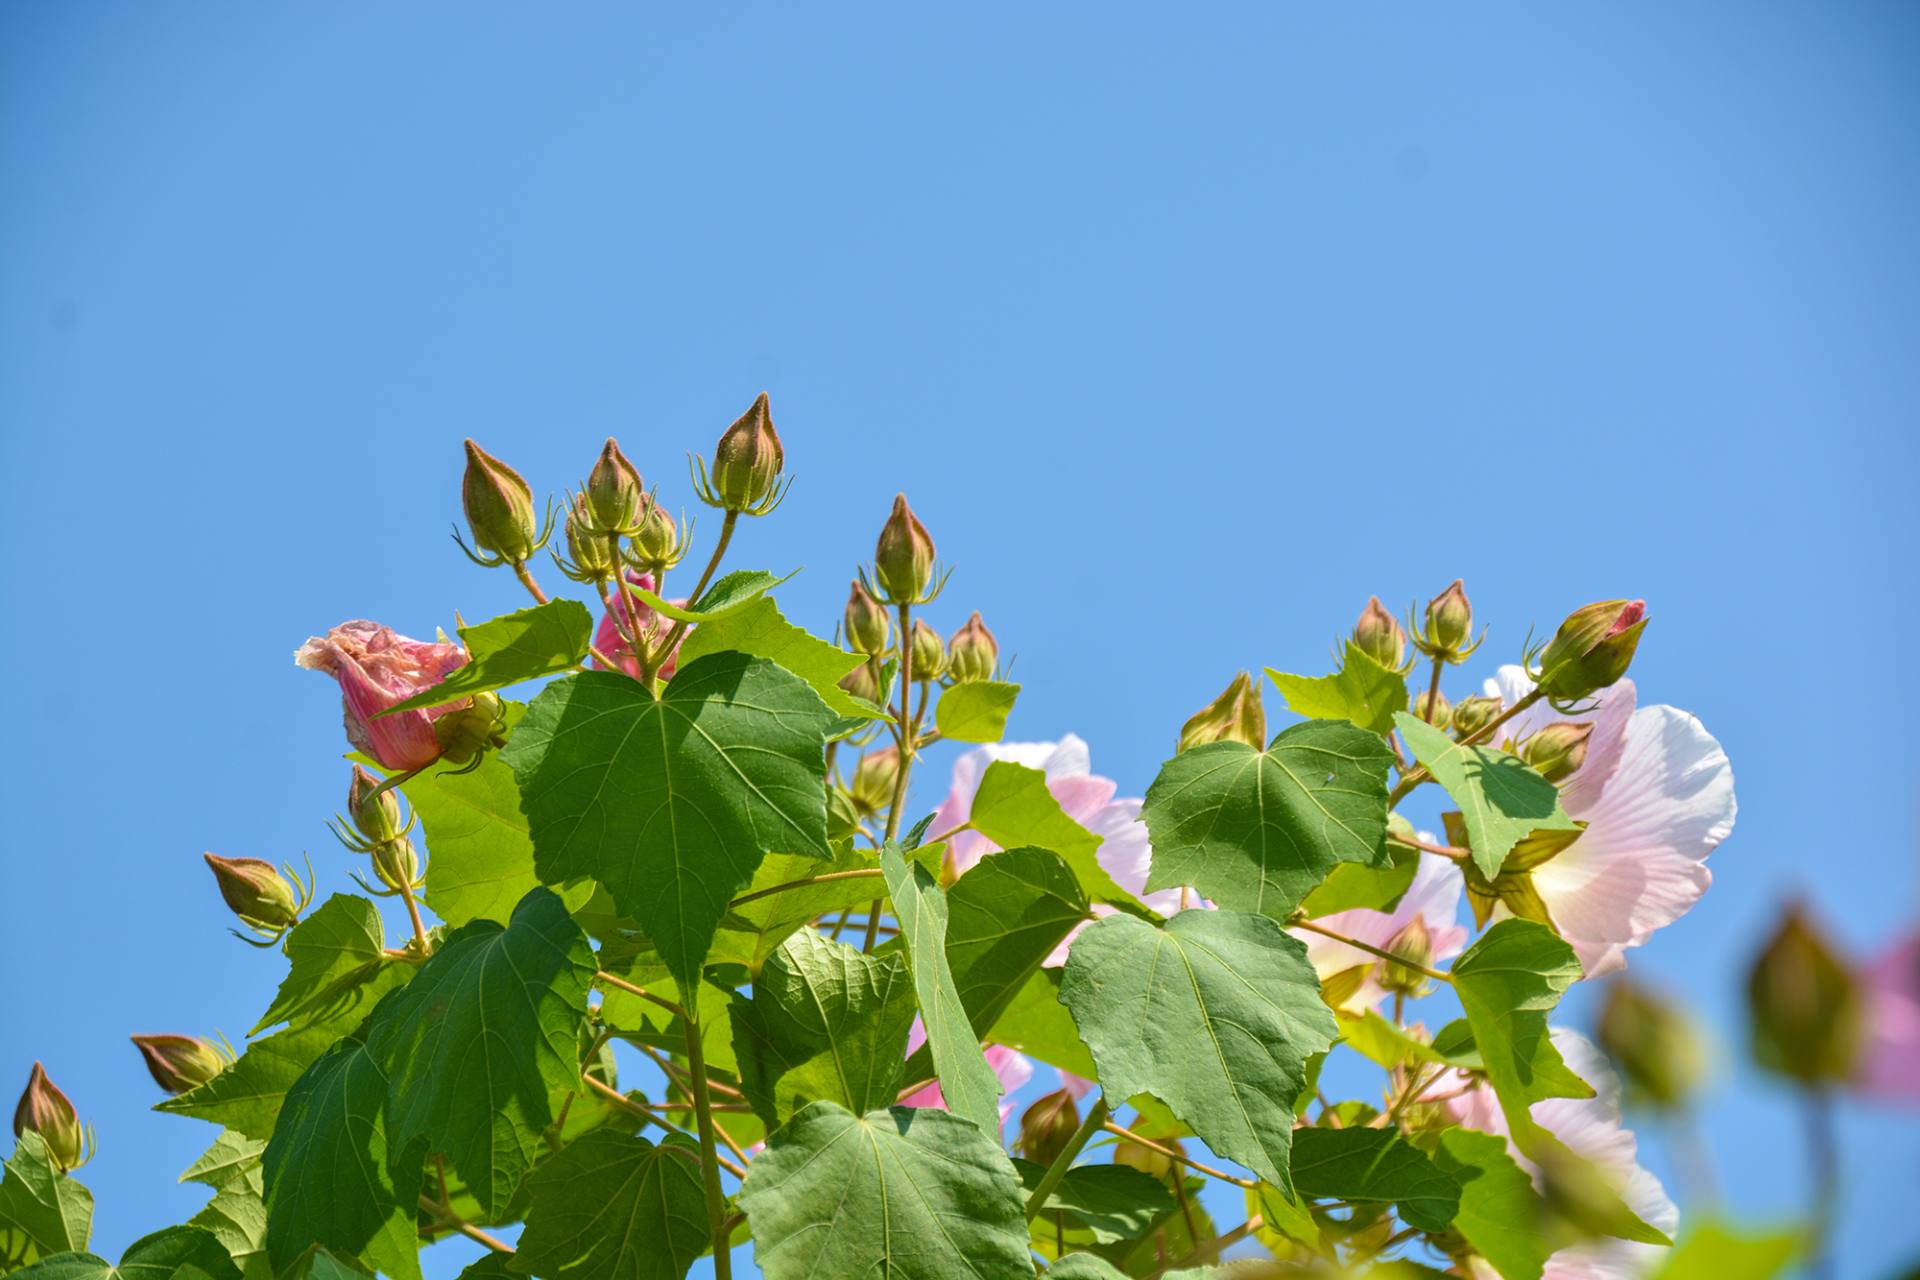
(694, 831)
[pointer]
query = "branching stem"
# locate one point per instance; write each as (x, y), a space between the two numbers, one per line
(1370, 949)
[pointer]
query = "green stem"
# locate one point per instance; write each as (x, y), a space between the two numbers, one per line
(706, 575)
(1433, 690)
(1050, 1180)
(1420, 775)
(1370, 949)
(904, 732)
(857, 873)
(709, 1153)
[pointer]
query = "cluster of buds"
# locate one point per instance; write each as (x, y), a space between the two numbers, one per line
(1446, 630)
(614, 504)
(500, 513)
(268, 901)
(44, 1109)
(1592, 649)
(745, 478)
(1235, 716)
(182, 1063)
(1806, 1010)
(904, 570)
(1656, 1046)
(1412, 948)
(374, 826)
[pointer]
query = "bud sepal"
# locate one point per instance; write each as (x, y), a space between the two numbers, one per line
(268, 901)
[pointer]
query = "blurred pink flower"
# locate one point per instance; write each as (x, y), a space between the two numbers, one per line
(1434, 897)
(1656, 793)
(377, 667)
(1010, 1067)
(1889, 1063)
(608, 640)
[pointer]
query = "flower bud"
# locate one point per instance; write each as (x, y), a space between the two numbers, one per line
(179, 1063)
(866, 622)
(928, 653)
(1449, 623)
(972, 654)
(377, 817)
(873, 779)
(1414, 945)
(1433, 707)
(747, 461)
(864, 682)
(1153, 1163)
(842, 818)
(613, 495)
(1235, 716)
(1804, 1006)
(903, 557)
(1471, 715)
(45, 1110)
(465, 733)
(499, 507)
(1558, 749)
(1048, 1126)
(1378, 635)
(256, 892)
(1592, 649)
(396, 864)
(590, 557)
(657, 543)
(1653, 1042)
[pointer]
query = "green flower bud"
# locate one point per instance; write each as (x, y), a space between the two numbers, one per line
(842, 818)
(45, 1110)
(1048, 1126)
(657, 545)
(179, 1063)
(929, 652)
(1434, 709)
(396, 864)
(499, 507)
(377, 818)
(1653, 1042)
(903, 557)
(1449, 624)
(474, 728)
(1414, 945)
(873, 779)
(1471, 715)
(864, 682)
(1592, 649)
(1378, 635)
(614, 494)
(747, 462)
(1557, 750)
(866, 622)
(972, 654)
(1235, 716)
(590, 555)
(1804, 1005)
(256, 892)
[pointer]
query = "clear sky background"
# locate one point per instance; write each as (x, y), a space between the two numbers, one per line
(1185, 329)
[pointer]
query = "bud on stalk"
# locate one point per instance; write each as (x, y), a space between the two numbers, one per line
(1653, 1042)
(1804, 1005)
(1433, 708)
(614, 494)
(1447, 626)
(972, 654)
(375, 816)
(1414, 946)
(747, 462)
(474, 728)
(842, 818)
(590, 557)
(179, 1063)
(499, 509)
(1048, 1126)
(1559, 749)
(864, 682)
(658, 546)
(903, 556)
(866, 625)
(1592, 649)
(1377, 634)
(873, 779)
(1471, 715)
(45, 1110)
(396, 865)
(929, 653)
(256, 892)
(1235, 716)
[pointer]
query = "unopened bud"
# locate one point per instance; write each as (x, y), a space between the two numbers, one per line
(45, 1110)
(1434, 708)
(747, 461)
(1653, 1042)
(1471, 715)
(972, 654)
(1378, 635)
(928, 652)
(1235, 716)
(1449, 624)
(474, 728)
(866, 622)
(375, 816)
(1592, 649)
(1048, 1126)
(1413, 945)
(396, 864)
(1557, 750)
(256, 891)
(614, 493)
(863, 682)
(179, 1063)
(903, 557)
(591, 556)
(842, 818)
(1154, 1164)
(1804, 1005)
(873, 779)
(499, 507)
(657, 545)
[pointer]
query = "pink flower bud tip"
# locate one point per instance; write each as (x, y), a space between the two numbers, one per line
(179, 1063)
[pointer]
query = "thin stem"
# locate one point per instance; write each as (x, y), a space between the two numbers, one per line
(1420, 775)
(613, 980)
(525, 575)
(1370, 949)
(453, 1221)
(706, 576)
(1213, 1248)
(903, 731)
(1171, 1154)
(1415, 1083)
(1427, 846)
(1823, 1149)
(710, 1156)
(413, 913)
(855, 874)
(646, 1113)
(1433, 690)
(1096, 1116)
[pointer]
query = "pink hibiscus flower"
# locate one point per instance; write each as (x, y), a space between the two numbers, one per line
(1889, 1062)
(377, 667)
(1010, 1067)
(1433, 897)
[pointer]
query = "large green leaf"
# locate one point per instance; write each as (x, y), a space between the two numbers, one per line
(1501, 796)
(824, 1023)
(671, 803)
(616, 1207)
(1014, 807)
(967, 1082)
(43, 1211)
(751, 932)
(760, 631)
(1366, 1165)
(326, 1169)
(232, 1158)
(524, 645)
(976, 711)
(185, 1252)
(1099, 1203)
(333, 952)
(476, 1045)
(1038, 1025)
(903, 1193)
(1501, 1215)
(1084, 1266)
(1258, 830)
(1362, 692)
(1215, 1013)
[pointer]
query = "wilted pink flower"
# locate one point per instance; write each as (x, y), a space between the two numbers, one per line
(1010, 1067)
(608, 638)
(1433, 897)
(1656, 793)
(378, 667)
(1889, 1063)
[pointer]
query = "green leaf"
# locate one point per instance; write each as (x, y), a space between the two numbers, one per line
(1365, 885)
(1379, 1041)
(1362, 692)
(825, 1023)
(524, 645)
(671, 803)
(750, 933)
(1038, 1025)
(760, 631)
(1215, 1014)
(326, 1169)
(976, 711)
(1374, 1166)
(237, 1218)
(333, 952)
(1501, 1215)
(616, 1207)
(1717, 1251)
(1101, 1203)
(247, 1096)
(1084, 1266)
(232, 1158)
(185, 1252)
(1258, 830)
(970, 1087)
(905, 1193)
(723, 599)
(1502, 797)
(43, 1211)
(1013, 807)
(476, 1045)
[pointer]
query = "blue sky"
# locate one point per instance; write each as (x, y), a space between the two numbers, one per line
(1184, 330)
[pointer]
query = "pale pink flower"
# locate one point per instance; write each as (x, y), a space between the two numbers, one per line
(1433, 897)
(609, 640)
(1656, 793)
(1889, 1063)
(1010, 1067)
(377, 667)
(1591, 1129)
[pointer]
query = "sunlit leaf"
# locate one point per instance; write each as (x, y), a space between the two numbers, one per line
(1362, 692)
(1501, 797)
(524, 645)
(43, 1211)
(976, 711)
(1501, 1215)
(1013, 807)
(337, 949)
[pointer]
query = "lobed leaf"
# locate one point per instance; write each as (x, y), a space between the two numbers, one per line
(524, 645)
(1362, 692)
(1501, 1215)
(1013, 807)
(338, 949)
(760, 631)
(1502, 798)
(732, 593)
(1374, 1166)
(186, 1252)
(976, 711)
(612, 1206)
(44, 1212)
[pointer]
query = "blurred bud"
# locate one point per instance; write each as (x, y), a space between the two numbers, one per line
(873, 779)
(903, 557)
(1592, 649)
(864, 682)
(45, 1110)
(1378, 635)
(928, 653)
(1471, 715)
(1048, 1126)
(179, 1063)
(1448, 625)
(842, 818)
(614, 494)
(589, 557)
(1804, 1007)
(972, 654)
(1235, 716)
(1653, 1042)
(747, 462)
(474, 728)
(1414, 945)
(499, 507)
(1557, 750)
(867, 627)
(377, 818)
(657, 544)
(1153, 1163)
(1433, 707)
(256, 892)
(396, 864)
